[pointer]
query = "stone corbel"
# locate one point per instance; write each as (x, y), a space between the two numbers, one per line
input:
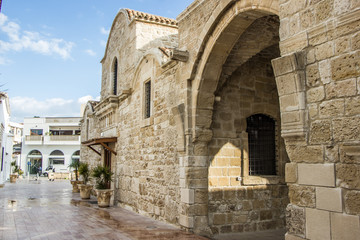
(178, 55)
(289, 72)
(173, 54)
(125, 93)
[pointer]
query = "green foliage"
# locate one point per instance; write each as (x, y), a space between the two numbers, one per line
(75, 164)
(103, 176)
(15, 168)
(84, 171)
(21, 172)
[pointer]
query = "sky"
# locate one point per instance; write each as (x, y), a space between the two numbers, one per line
(50, 51)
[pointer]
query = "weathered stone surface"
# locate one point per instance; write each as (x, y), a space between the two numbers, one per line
(320, 132)
(315, 94)
(352, 202)
(346, 129)
(308, 154)
(332, 154)
(347, 176)
(295, 220)
(291, 172)
(312, 75)
(303, 196)
(333, 108)
(352, 106)
(339, 89)
(345, 66)
(350, 154)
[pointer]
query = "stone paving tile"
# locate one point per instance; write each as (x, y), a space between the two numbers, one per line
(37, 210)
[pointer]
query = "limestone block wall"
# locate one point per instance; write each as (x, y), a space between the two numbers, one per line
(128, 42)
(147, 162)
(121, 44)
(252, 203)
(319, 45)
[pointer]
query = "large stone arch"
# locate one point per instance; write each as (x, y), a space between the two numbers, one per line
(228, 22)
(217, 44)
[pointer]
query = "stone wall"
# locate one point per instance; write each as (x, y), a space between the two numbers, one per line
(147, 163)
(180, 165)
(323, 175)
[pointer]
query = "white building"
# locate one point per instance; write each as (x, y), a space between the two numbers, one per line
(5, 138)
(16, 129)
(50, 141)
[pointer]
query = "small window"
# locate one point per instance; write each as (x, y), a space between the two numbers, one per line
(147, 99)
(37, 132)
(114, 74)
(261, 136)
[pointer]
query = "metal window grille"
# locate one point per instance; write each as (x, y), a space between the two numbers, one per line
(147, 99)
(261, 135)
(115, 70)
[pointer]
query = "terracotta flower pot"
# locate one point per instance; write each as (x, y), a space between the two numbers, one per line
(103, 197)
(13, 178)
(85, 190)
(75, 183)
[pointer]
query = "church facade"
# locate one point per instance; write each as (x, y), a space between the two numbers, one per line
(239, 116)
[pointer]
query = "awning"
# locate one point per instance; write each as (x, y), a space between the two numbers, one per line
(102, 142)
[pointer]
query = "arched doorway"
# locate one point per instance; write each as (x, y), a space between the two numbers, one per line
(233, 82)
(34, 160)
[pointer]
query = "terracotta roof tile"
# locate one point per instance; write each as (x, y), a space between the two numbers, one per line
(150, 18)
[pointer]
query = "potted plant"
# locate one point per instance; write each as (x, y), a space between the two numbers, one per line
(75, 164)
(85, 189)
(14, 174)
(103, 177)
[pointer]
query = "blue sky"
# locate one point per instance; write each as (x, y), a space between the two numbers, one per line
(50, 51)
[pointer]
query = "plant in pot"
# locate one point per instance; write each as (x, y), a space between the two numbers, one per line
(75, 165)
(14, 174)
(103, 177)
(85, 189)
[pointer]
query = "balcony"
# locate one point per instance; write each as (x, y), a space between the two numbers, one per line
(52, 140)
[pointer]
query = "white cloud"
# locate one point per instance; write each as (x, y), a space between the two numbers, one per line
(103, 43)
(33, 41)
(54, 107)
(90, 52)
(104, 31)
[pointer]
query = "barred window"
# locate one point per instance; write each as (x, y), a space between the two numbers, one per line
(261, 135)
(147, 99)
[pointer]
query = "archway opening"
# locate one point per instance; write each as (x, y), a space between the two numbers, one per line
(34, 161)
(238, 85)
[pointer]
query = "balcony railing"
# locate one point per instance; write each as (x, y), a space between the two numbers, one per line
(33, 138)
(38, 139)
(64, 137)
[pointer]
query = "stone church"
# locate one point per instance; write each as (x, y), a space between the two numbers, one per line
(238, 116)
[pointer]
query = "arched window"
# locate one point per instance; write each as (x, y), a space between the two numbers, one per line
(57, 158)
(75, 156)
(262, 153)
(114, 72)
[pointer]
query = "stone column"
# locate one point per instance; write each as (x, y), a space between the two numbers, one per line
(194, 184)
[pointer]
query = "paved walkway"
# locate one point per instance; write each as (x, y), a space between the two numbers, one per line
(49, 210)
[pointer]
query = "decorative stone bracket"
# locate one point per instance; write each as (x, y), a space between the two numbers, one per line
(290, 80)
(173, 54)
